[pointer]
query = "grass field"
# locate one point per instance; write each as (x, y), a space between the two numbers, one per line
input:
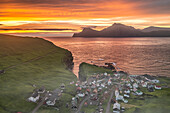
(86, 70)
(158, 103)
(49, 71)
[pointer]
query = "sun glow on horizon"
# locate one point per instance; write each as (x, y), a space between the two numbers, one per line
(75, 15)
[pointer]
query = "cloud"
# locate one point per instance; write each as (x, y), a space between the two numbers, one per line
(149, 6)
(65, 29)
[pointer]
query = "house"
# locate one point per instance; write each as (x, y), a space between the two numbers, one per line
(105, 74)
(125, 101)
(93, 86)
(127, 91)
(95, 91)
(125, 95)
(41, 90)
(144, 84)
(93, 97)
(35, 97)
(51, 100)
(134, 89)
(109, 82)
(100, 88)
(129, 85)
(151, 88)
(116, 106)
(138, 92)
(2, 71)
(62, 86)
(81, 94)
(158, 87)
(83, 86)
(155, 81)
(116, 92)
(78, 89)
(55, 95)
(88, 90)
(135, 85)
(98, 85)
(72, 82)
(119, 97)
(103, 85)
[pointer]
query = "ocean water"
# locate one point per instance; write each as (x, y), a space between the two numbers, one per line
(133, 55)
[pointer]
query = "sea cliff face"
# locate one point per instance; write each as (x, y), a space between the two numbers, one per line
(68, 60)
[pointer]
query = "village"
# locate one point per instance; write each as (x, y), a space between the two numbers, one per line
(116, 88)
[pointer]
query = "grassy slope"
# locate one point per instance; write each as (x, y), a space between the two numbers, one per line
(159, 104)
(15, 83)
(86, 70)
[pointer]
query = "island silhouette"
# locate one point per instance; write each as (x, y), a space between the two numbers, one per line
(121, 30)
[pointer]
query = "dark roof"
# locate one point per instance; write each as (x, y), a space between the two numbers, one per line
(52, 98)
(149, 76)
(56, 92)
(35, 94)
(42, 88)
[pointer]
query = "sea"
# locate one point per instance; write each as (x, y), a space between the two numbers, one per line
(137, 56)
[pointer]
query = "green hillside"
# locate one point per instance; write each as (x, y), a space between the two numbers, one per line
(86, 70)
(29, 61)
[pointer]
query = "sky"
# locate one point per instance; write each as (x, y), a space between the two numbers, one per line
(64, 17)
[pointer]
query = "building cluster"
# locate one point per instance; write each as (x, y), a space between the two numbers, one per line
(95, 89)
(48, 97)
(131, 85)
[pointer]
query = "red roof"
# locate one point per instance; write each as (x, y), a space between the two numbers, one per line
(158, 86)
(78, 88)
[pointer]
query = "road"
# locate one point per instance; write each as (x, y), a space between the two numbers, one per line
(109, 102)
(81, 104)
(40, 104)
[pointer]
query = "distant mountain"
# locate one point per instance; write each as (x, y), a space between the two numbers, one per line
(120, 30)
(152, 28)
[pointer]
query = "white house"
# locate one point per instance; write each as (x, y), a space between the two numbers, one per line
(125, 95)
(119, 97)
(135, 85)
(102, 85)
(116, 92)
(51, 101)
(125, 101)
(81, 94)
(105, 74)
(144, 84)
(155, 81)
(109, 82)
(127, 91)
(158, 87)
(138, 92)
(129, 85)
(35, 96)
(116, 106)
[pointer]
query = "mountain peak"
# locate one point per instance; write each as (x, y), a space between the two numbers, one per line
(118, 24)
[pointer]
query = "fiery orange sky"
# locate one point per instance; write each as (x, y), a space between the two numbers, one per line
(68, 16)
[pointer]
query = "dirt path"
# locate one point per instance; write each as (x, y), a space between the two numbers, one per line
(109, 102)
(81, 104)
